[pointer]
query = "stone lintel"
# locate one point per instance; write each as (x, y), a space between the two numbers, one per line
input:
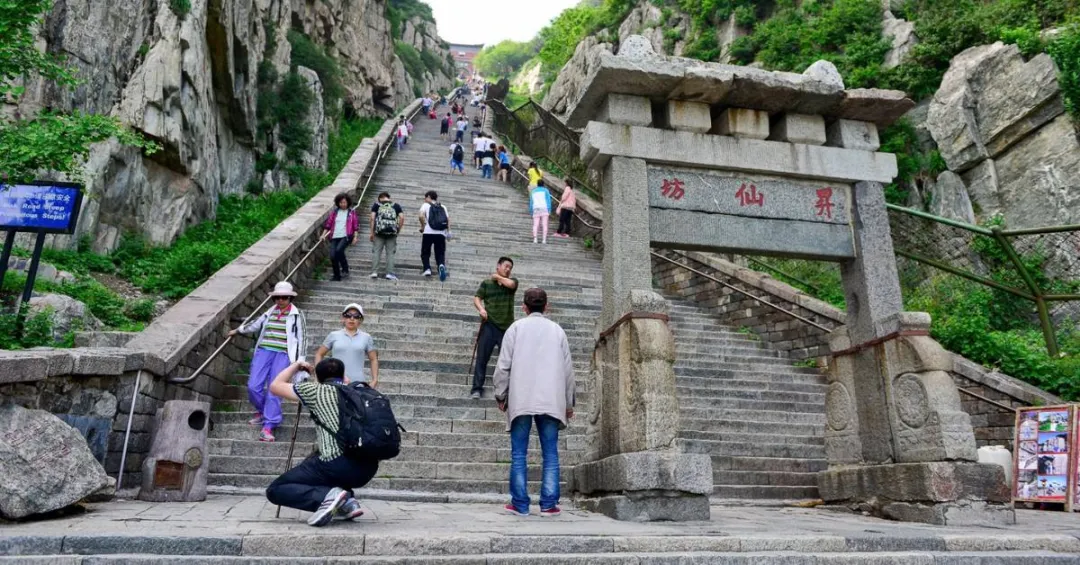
(807, 129)
(602, 141)
(670, 471)
(688, 116)
(742, 122)
(674, 78)
(626, 109)
(724, 233)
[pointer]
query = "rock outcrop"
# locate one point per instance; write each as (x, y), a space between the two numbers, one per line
(45, 464)
(1000, 124)
(571, 78)
(902, 34)
(191, 83)
(67, 314)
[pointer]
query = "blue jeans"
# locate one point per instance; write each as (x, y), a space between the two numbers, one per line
(486, 173)
(548, 430)
(400, 142)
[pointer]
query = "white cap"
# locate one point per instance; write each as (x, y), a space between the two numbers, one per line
(353, 306)
(283, 288)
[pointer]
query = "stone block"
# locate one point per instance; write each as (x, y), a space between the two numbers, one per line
(736, 234)
(649, 508)
(379, 544)
(916, 483)
(20, 367)
(153, 545)
(689, 473)
(742, 122)
(626, 109)
(799, 128)
(601, 142)
(301, 546)
(688, 116)
(180, 442)
(851, 134)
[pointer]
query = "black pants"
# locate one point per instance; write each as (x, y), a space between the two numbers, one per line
(337, 256)
(564, 221)
(439, 242)
(490, 337)
(305, 486)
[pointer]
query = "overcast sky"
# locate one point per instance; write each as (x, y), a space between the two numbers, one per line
(492, 22)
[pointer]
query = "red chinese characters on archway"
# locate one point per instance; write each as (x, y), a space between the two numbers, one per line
(748, 195)
(824, 204)
(673, 188)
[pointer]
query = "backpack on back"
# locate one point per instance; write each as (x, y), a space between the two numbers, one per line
(386, 219)
(367, 428)
(459, 153)
(437, 218)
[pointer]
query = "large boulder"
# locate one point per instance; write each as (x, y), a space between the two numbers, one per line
(989, 100)
(949, 198)
(567, 87)
(45, 464)
(68, 314)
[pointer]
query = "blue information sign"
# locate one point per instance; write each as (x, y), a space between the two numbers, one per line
(49, 207)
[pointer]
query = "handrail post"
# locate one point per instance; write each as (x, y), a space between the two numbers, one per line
(1040, 302)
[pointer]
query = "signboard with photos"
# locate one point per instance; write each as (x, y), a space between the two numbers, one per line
(1046, 449)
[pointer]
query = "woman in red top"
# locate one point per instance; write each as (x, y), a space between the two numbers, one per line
(341, 225)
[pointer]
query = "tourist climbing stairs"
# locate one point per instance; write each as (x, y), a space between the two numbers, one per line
(760, 418)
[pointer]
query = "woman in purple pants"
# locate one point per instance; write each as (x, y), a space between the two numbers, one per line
(280, 344)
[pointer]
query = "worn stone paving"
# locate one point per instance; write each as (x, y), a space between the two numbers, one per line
(743, 528)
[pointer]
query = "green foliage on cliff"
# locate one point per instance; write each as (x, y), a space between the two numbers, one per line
(1065, 49)
(504, 58)
(399, 11)
(53, 141)
(305, 53)
(410, 57)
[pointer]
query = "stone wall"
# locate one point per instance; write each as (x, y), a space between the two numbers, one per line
(91, 387)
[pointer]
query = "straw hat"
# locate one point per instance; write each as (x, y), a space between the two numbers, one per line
(283, 288)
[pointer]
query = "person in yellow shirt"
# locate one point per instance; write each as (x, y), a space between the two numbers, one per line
(534, 174)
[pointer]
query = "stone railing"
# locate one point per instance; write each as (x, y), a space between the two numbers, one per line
(92, 387)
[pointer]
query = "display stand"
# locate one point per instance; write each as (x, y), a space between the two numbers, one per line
(1045, 455)
(36, 207)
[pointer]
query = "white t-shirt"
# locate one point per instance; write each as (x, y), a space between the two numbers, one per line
(462, 124)
(403, 130)
(427, 227)
(341, 224)
(480, 143)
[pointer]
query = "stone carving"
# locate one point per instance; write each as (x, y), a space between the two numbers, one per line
(175, 469)
(45, 464)
(912, 405)
(838, 407)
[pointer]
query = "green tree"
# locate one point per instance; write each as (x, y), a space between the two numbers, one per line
(504, 58)
(51, 141)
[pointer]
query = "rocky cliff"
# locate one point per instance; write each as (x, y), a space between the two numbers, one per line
(190, 80)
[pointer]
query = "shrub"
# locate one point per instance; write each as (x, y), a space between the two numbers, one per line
(180, 7)
(291, 112)
(1065, 50)
(410, 58)
(306, 53)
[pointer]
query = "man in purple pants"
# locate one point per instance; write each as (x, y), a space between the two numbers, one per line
(280, 344)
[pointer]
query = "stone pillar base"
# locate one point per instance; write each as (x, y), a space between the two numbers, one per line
(649, 506)
(945, 493)
(646, 486)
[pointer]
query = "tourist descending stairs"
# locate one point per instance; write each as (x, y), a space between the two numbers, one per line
(759, 417)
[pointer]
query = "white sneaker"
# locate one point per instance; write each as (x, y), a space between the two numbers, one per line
(391, 277)
(374, 275)
(427, 272)
(325, 513)
(534, 240)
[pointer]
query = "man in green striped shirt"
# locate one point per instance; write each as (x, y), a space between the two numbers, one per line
(323, 483)
(494, 301)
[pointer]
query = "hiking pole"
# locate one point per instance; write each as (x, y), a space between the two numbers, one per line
(475, 345)
(292, 446)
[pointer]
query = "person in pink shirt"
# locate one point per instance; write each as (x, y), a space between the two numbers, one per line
(566, 209)
(341, 225)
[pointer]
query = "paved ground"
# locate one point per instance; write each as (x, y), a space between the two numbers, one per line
(245, 525)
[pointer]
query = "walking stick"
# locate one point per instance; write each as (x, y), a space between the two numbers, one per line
(475, 344)
(292, 446)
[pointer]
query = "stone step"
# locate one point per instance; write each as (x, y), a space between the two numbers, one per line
(762, 435)
(382, 482)
(690, 404)
(758, 463)
(765, 478)
(710, 426)
(556, 557)
(306, 432)
(442, 463)
(708, 394)
(758, 492)
(702, 385)
(752, 449)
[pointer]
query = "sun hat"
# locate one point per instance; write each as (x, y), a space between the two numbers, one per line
(283, 288)
(353, 306)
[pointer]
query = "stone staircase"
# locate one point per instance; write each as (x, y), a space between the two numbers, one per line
(760, 418)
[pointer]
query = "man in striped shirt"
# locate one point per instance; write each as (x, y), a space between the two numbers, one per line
(322, 484)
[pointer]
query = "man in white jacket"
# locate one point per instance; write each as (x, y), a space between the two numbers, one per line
(534, 381)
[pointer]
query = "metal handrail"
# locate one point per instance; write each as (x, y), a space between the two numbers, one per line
(370, 175)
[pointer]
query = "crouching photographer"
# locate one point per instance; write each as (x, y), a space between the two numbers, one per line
(355, 429)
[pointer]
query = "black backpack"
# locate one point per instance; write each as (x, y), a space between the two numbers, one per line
(367, 428)
(437, 218)
(459, 153)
